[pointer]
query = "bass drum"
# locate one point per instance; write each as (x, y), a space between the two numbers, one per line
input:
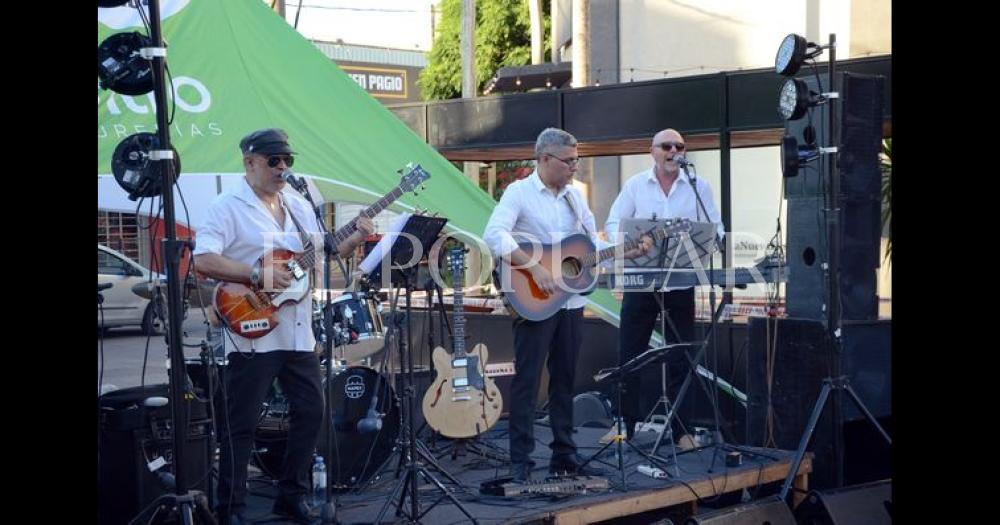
(357, 455)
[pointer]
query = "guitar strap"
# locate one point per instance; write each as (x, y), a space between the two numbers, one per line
(572, 210)
(306, 241)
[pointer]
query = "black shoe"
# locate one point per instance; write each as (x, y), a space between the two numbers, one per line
(520, 472)
(294, 509)
(572, 465)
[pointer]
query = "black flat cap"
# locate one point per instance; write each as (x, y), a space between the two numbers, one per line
(266, 142)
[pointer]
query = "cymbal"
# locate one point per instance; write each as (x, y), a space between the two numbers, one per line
(198, 296)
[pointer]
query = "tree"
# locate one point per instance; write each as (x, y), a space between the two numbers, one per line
(503, 38)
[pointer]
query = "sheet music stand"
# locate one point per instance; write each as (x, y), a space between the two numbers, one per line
(421, 231)
(618, 375)
(686, 250)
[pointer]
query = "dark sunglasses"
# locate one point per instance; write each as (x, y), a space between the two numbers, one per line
(274, 160)
(665, 146)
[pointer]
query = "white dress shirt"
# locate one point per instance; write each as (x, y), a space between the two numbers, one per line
(239, 226)
(528, 208)
(642, 197)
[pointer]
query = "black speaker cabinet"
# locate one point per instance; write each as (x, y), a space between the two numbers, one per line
(771, 511)
(796, 357)
(867, 504)
(132, 436)
(808, 251)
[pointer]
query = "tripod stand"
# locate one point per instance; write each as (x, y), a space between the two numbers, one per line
(619, 375)
(406, 486)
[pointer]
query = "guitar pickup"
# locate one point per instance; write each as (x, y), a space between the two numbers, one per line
(461, 382)
(461, 362)
(254, 325)
(296, 269)
(461, 398)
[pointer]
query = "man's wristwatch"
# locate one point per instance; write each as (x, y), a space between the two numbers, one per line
(255, 276)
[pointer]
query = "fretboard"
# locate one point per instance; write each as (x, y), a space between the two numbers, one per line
(459, 317)
(370, 212)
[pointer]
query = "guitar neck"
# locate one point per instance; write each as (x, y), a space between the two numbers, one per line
(597, 257)
(458, 319)
(348, 229)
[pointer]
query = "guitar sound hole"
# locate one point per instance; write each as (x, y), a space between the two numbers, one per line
(571, 267)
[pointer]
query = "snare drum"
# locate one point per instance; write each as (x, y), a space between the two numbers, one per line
(360, 320)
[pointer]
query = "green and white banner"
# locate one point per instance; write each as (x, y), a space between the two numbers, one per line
(235, 66)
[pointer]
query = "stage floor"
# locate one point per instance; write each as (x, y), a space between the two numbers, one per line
(641, 499)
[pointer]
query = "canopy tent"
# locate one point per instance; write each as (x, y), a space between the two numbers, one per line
(236, 66)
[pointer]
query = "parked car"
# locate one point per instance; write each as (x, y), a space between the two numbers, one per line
(122, 307)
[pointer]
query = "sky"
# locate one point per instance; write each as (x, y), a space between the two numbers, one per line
(402, 24)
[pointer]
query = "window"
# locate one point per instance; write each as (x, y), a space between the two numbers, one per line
(119, 231)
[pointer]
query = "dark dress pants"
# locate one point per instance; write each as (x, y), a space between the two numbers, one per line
(557, 338)
(638, 319)
(247, 380)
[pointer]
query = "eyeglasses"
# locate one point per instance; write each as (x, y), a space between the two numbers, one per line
(569, 162)
(665, 146)
(274, 160)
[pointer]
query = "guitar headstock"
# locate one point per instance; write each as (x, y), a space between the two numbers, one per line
(456, 262)
(413, 176)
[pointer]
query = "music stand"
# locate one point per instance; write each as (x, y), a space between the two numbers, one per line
(618, 375)
(687, 251)
(398, 254)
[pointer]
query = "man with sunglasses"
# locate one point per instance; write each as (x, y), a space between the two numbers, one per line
(663, 192)
(243, 227)
(544, 207)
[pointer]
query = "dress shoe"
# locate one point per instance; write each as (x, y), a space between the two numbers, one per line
(295, 509)
(520, 472)
(572, 465)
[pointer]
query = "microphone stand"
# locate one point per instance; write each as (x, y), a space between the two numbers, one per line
(699, 209)
(328, 513)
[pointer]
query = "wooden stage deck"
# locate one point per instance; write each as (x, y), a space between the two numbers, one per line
(644, 498)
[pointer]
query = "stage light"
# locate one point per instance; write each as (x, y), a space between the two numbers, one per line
(793, 51)
(794, 99)
(135, 169)
(793, 156)
(121, 66)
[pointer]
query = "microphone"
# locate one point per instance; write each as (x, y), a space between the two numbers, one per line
(295, 182)
(682, 161)
(372, 422)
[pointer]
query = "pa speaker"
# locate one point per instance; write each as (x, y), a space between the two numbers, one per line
(868, 504)
(808, 252)
(771, 511)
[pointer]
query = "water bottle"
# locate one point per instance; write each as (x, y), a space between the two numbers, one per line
(319, 482)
